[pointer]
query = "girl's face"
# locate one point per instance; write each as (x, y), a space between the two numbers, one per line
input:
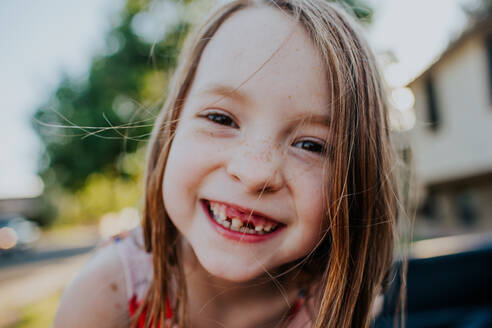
(243, 181)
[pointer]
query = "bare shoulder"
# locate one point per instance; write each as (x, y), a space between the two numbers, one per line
(97, 295)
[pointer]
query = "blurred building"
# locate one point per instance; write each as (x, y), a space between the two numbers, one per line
(452, 138)
(27, 207)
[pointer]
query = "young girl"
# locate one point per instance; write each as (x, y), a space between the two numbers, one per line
(270, 195)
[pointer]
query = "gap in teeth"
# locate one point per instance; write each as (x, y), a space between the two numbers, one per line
(249, 225)
(218, 213)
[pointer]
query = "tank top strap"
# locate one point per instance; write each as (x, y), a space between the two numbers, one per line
(136, 262)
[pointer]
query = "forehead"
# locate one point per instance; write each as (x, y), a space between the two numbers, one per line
(267, 56)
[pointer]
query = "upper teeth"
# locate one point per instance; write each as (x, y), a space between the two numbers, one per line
(236, 224)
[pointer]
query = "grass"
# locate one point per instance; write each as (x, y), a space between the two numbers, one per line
(39, 314)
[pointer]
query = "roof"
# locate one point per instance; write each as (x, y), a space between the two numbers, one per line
(481, 24)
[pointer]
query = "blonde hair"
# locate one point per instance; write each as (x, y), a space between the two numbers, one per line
(360, 192)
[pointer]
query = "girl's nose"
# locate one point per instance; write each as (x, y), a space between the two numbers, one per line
(257, 167)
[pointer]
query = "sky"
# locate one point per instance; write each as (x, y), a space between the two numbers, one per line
(40, 41)
(416, 31)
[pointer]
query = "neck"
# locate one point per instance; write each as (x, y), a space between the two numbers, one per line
(214, 302)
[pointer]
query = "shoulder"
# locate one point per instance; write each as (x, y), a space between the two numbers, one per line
(97, 297)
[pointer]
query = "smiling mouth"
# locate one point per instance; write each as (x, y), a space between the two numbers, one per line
(237, 220)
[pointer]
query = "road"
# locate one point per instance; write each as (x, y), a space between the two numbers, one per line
(43, 270)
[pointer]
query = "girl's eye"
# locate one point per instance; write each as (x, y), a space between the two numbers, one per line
(311, 146)
(221, 119)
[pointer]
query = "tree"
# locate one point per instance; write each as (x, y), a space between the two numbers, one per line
(478, 10)
(361, 10)
(110, 113)
(89, 127)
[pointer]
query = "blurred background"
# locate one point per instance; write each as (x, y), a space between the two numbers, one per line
(82, 81)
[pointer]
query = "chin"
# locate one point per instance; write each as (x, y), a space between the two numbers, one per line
(233, 270)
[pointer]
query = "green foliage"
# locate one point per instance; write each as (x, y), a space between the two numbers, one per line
(103, 192)
(361, 9)
(90, 128)
(121, 89)
(39, 314)
(478, 10)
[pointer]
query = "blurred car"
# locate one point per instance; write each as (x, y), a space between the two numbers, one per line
(17, 234)
(449, 285)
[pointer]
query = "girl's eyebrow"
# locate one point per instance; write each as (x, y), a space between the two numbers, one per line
(312, 118)
(225, 91)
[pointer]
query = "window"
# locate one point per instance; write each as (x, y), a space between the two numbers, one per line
(433, 110)
(488, 46)
(466, 207)
(428, 208)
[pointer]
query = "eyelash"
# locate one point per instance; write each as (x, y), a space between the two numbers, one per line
(221, 119)
(225, 120)
(315, 147)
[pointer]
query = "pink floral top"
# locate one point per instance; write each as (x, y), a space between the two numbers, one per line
(138, 273)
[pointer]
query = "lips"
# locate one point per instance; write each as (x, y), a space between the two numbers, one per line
(234, 221)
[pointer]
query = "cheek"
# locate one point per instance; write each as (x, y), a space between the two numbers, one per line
(190, 159)
(180, 176)
(306, 190)
(309, 199)
(313, 207)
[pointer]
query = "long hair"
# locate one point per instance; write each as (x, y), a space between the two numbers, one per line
(360, 191)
